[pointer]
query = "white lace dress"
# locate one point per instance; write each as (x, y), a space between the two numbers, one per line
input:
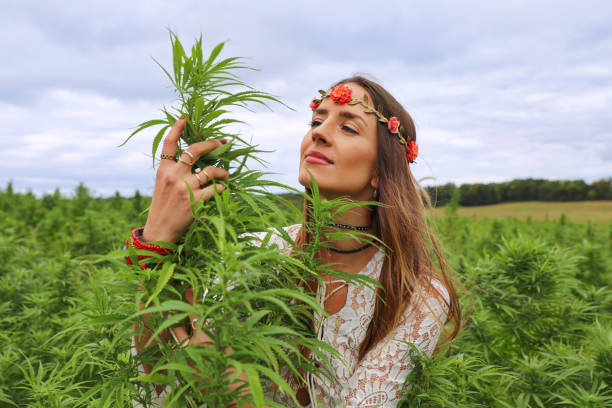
(378, 380)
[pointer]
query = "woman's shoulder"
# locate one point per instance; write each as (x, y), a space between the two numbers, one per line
(438, 290)
(433, 297)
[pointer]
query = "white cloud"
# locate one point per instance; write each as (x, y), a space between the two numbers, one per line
(498, 91)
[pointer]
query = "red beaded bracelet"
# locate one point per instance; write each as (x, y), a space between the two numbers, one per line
(138, 243)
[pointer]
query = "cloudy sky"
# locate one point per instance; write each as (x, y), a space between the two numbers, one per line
(498, 90)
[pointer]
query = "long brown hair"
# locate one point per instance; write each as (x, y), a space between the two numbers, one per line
(409, 267)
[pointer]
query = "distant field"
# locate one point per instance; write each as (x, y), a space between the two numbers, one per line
(579, 211)
(597, 211)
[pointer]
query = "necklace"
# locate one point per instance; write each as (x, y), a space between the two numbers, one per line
(349, 251)
(351, 227)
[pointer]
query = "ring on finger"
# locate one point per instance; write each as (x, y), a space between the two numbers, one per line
(189, 154)
(206, 173)
(167, 156)
(199, 179)
(186, 341)
(185, 162)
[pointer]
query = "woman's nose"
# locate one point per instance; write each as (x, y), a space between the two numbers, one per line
(322, 132)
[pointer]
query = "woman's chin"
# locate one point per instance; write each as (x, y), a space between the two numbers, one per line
(305, 180)
(326, 190)
(305, 177)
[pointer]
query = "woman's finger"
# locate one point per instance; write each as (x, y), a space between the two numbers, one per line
(189, 295)
(197, 180)
(199, 149)
(190, 156)
(180, 335)
(207, 192)
(193, 319)
(171, 140)
(210, 172)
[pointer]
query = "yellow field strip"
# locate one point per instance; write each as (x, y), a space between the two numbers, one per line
(580, 211)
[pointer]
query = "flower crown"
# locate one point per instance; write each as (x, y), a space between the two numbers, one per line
(341, 94)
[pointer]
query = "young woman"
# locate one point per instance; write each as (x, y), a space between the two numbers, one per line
(360, 145)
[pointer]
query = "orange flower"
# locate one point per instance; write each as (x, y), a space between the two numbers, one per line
(393, 124)
(412, 151)
(340, 94)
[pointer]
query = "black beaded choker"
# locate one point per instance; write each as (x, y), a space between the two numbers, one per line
(349, 251)
(350, 227)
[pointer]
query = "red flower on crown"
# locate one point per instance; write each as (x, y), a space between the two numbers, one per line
(412, 151)
(314, 104)
(393, 124)
(340, 94)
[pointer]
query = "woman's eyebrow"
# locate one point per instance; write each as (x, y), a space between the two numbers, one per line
(351, 115)
(344, 114)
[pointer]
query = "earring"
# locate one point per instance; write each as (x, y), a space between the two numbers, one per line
(374, 194)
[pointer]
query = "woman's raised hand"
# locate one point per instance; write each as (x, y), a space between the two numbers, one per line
(170, 212)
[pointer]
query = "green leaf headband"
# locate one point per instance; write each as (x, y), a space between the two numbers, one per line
(341, 94)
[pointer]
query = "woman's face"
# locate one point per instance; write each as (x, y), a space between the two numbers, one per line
(340, 149)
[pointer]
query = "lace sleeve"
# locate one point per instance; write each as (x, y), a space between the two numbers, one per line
(379, 378)
(274, 238)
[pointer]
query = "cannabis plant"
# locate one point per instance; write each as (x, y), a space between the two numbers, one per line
(253, 298)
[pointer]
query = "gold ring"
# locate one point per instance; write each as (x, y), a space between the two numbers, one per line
(181, 344)
(167, 156)
(190, 155)
(198, 177)
(185, 162)
(207, 175)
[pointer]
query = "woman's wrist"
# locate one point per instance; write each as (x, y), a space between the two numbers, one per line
(149, 234)
(145, 232)
(137, 241)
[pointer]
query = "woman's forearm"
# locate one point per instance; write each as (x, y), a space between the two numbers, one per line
(143, 341)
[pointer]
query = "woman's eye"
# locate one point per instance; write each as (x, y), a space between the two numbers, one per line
(349, 129)
(346, 128)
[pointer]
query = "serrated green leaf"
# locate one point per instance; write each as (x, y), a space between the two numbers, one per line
(157, 140)
(255, 385)
(214, 54)
(164, 276)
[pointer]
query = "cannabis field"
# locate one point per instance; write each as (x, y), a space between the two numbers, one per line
(539, 332)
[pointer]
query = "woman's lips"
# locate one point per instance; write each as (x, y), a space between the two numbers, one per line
(316, 160)
(317, 157)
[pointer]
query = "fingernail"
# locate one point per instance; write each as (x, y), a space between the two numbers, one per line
(182, 117)
(223, 141)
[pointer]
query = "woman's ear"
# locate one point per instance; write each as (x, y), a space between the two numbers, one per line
(374, 182)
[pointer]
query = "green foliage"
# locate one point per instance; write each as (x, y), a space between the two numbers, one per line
(539, 333)
(207, 90)
(540, 329)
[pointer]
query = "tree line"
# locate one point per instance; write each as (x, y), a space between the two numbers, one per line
(521, 190)
(465, 194)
